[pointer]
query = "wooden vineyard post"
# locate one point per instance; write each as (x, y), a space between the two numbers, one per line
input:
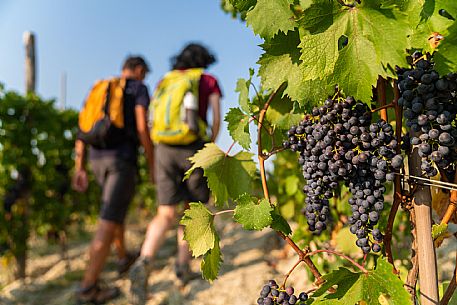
(30, 63)
(30, 87)
(422, 201)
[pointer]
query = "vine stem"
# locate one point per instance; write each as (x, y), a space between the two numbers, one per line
(450, 211)
(230, 148)
(451, 288)
(290, 272)
(381, 87)
(398, 196)
(361, 268)
(223, 212)
(301, 254)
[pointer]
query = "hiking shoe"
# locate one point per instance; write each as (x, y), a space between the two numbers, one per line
(139, 281)
(96, 294)
(124, 264)
(185, 274)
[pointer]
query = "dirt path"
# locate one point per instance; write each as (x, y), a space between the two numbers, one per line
(250, 259)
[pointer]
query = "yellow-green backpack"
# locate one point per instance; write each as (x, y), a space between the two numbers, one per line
(167, 109)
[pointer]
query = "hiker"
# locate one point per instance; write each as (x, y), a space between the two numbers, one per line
(123, 103)
(179, 127)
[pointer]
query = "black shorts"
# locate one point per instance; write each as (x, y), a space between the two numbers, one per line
(171, 163)
(117, 178)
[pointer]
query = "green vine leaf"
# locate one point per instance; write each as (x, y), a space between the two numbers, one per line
(280, 64)
(439, 232)
(352, 288)
(282, 17)
(211, 262)
(228, 177)
(446, 57)
(375, 42)
(199, 229)
(279, 223)
(242, 86)
(252, 213)
(429, 21)
(238, 126)
(284, 113)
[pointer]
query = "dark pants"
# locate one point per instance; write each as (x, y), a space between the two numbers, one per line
(117, 179)
(171, 163)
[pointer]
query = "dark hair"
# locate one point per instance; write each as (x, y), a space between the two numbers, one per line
(134, 61)
(193, 56)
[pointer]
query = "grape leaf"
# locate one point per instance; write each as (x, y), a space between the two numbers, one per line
(446, 57)
(243, 5)
(251, 213)
(355, 287)
(281, 17)
(279, 223)
(199, 228)
(439, 233)
(228, 177)
(280, 63)
(242, 86)
(211, 262)
(376, 39)
(238, 126)
(320, 53)
(283, 113)
(429, 21)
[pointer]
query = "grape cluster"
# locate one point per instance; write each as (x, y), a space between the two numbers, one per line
(271, 294)
(430, 108)
(339, 143)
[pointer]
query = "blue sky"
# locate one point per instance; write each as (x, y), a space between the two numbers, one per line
(88, 40)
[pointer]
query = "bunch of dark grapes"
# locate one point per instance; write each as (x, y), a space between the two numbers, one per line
(271, 294)
(430, 108)
(339, 143)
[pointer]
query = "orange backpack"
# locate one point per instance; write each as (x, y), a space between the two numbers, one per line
(103, 113)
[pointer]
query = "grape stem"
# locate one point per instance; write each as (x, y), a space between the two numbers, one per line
(360, 267)
(383, 107)
(398, 191)
(273, 151)
(301, 254)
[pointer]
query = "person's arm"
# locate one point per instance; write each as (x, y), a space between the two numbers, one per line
(215, 103)
(80, 181)
(144, 137)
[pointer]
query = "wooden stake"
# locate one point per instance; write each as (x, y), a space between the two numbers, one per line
(426, 251)
(30, 65)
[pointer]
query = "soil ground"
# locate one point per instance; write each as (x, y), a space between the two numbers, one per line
(250, 260)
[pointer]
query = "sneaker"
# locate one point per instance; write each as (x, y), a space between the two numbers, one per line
(124, 264)
(185, 274)
(139, 281)
(96, 294)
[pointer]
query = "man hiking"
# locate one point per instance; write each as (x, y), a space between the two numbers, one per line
(113, 149)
